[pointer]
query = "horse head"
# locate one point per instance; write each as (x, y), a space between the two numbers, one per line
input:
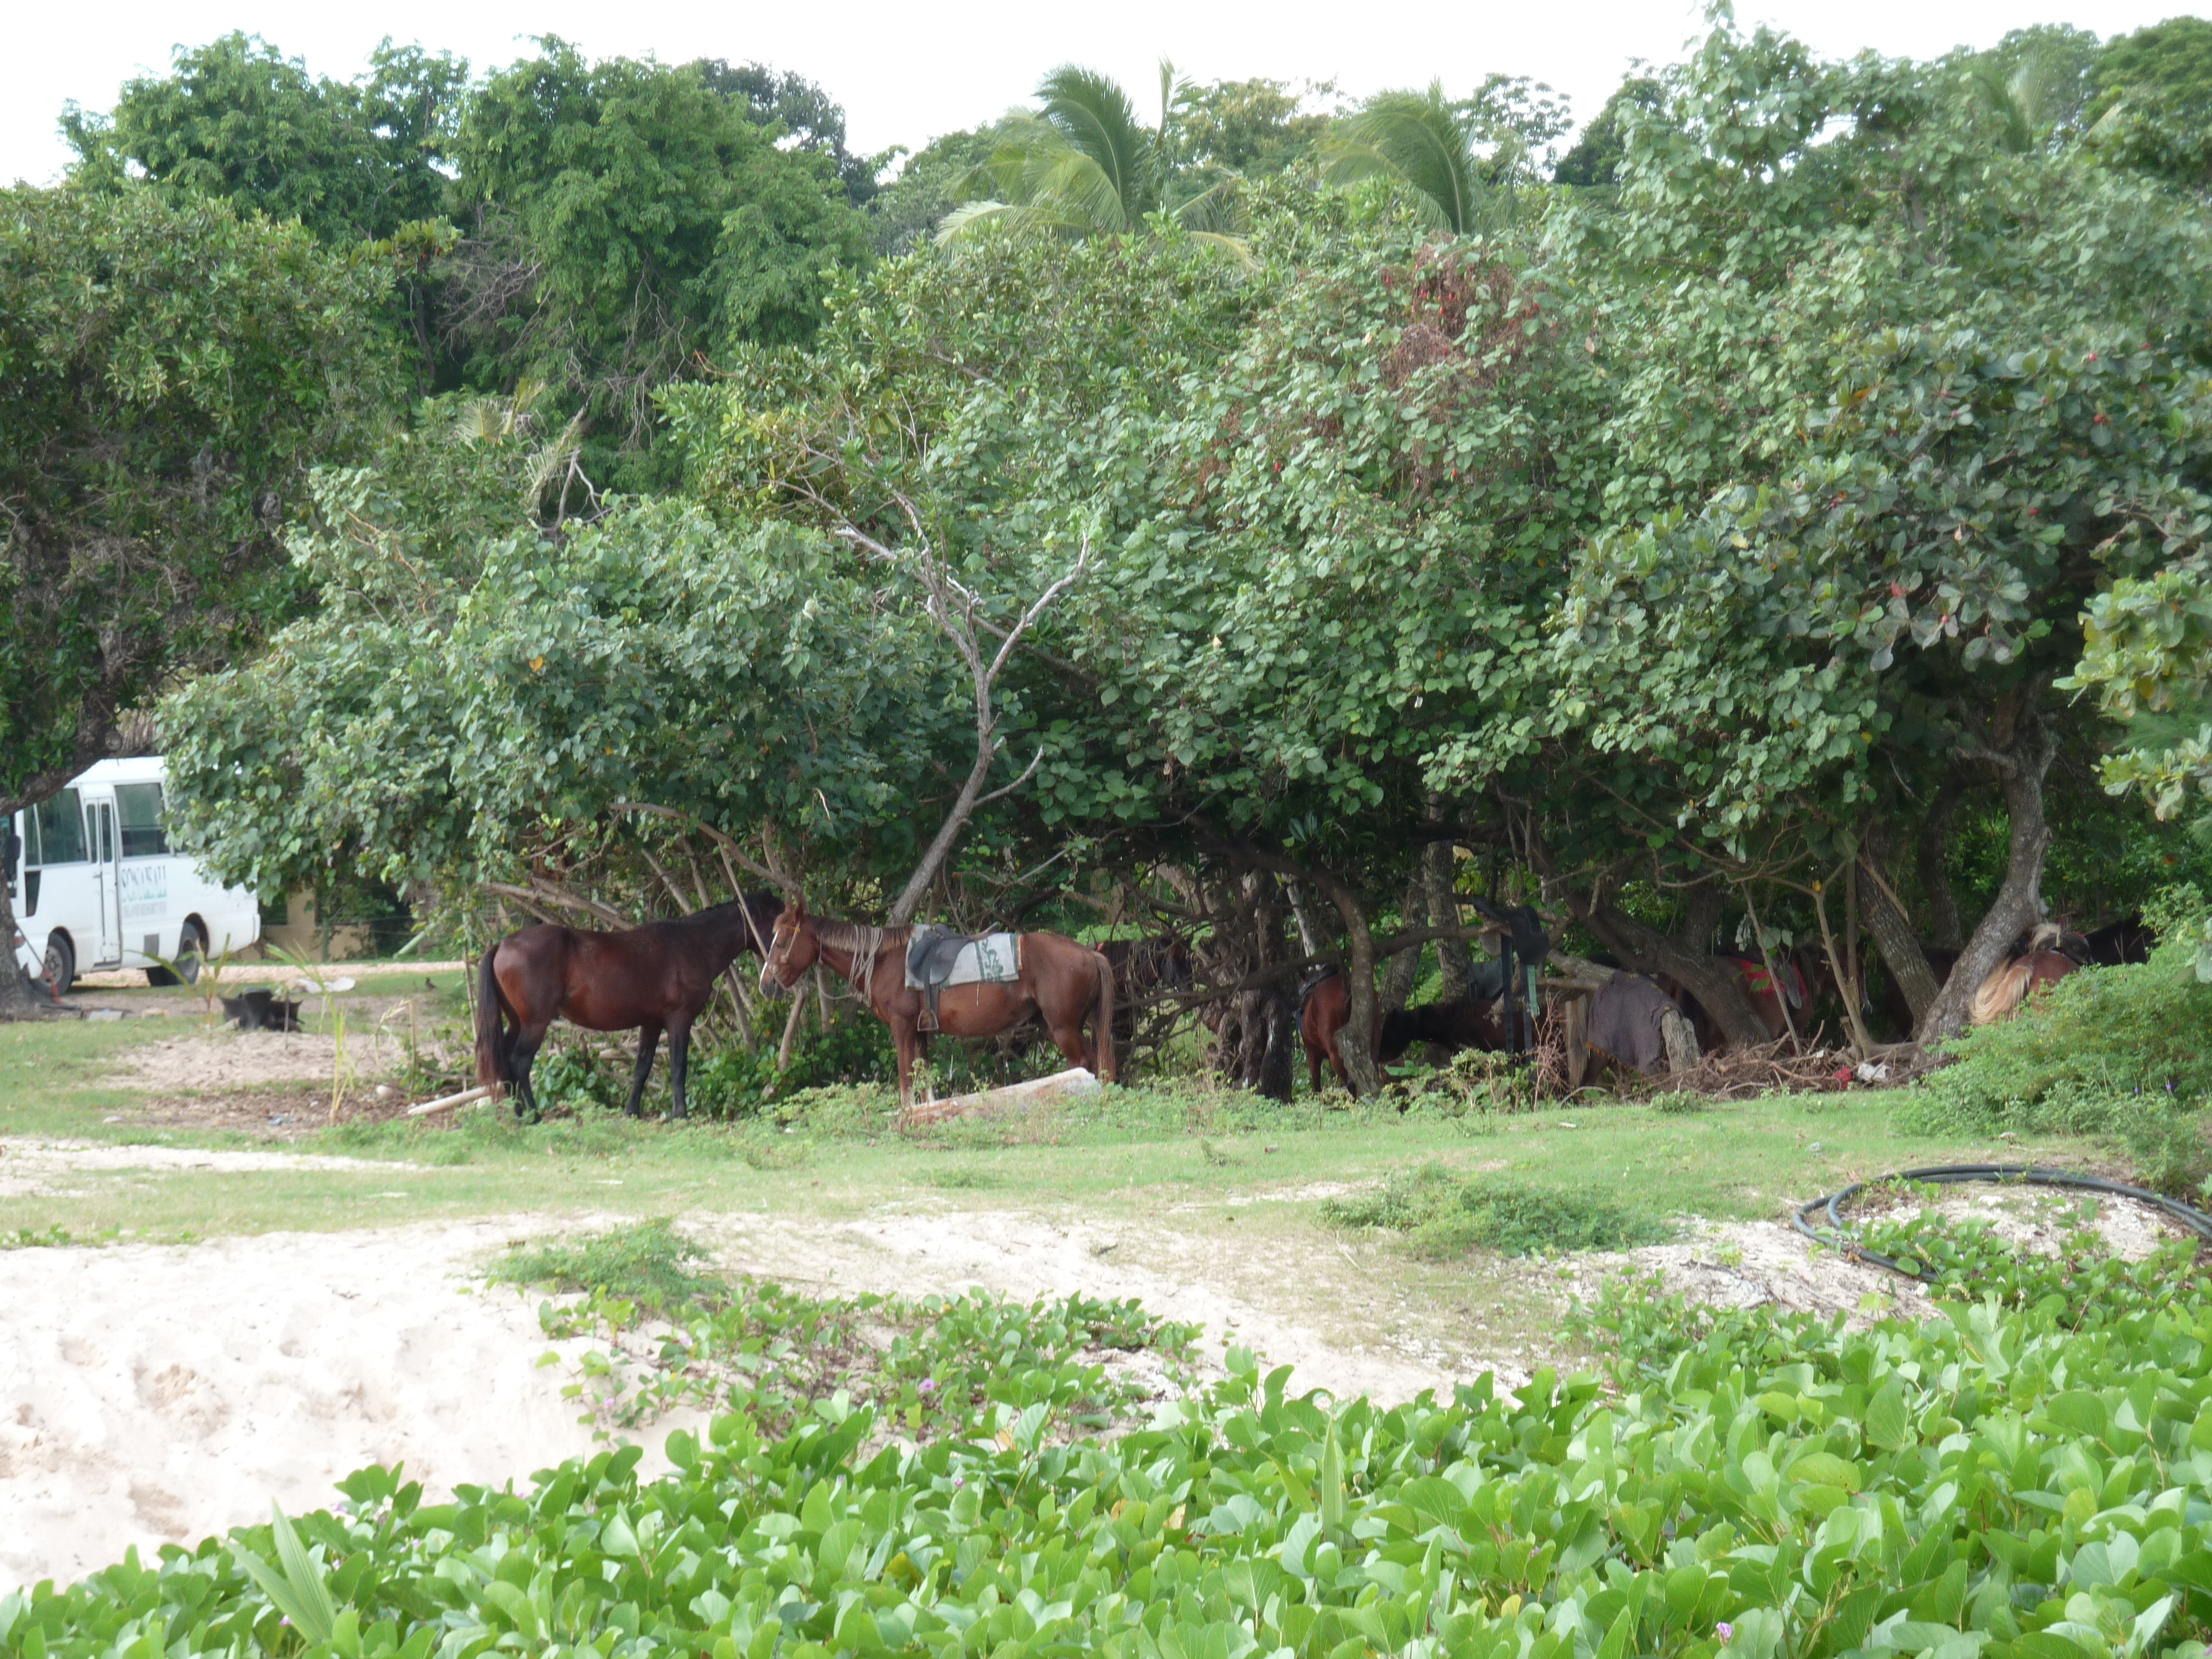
(792, 949)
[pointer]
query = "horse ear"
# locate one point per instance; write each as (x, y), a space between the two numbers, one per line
(799, 907)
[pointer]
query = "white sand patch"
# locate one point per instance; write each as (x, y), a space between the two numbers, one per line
(1754, 1264)
(152, 1393)
(31, 1169)
(1027, 1257)
(2035, 1218)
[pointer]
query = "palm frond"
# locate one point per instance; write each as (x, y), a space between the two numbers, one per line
(1213, 209)
(1095, 115)
(1415, 137)
(1235, 246)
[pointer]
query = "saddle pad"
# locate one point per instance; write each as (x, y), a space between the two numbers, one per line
(993, 959)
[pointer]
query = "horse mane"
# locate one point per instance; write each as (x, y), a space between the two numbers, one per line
(857, 936)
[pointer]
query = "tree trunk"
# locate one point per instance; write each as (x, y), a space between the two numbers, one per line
(1405, 970)
(1900, 952)
(1686, 956)
(1941, 905)
(2021, 765)
(1438, 872)
(19, 994)
(1357, 1042)
(1279, 1062)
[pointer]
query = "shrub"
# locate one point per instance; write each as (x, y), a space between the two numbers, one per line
(735, 1081)
(2119, 1051)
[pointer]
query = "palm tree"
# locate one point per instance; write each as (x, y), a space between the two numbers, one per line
(1421, 140)
(1083, 164)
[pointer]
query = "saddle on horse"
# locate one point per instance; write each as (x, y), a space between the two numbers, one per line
(938, 956)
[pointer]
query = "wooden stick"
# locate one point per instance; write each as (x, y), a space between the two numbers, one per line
(483, 1092)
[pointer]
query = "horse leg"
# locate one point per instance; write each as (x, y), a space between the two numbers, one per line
(679, 1057)
(1067, 1038)
(527, 1041)
(1336, 1061)
(903, 1039)
(648, 1038)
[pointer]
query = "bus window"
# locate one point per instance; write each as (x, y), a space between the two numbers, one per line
(31, 859)
(138, 806)
(61, 830)
(103, 838)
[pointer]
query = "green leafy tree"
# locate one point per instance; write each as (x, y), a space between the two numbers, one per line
(1874, 453)
(1597, 155)
(631, 223)
(931, 183)
(1254, 129)
(799, 112)
(170, 368)
(2169, 62)
(2037, 81)
(237, 118)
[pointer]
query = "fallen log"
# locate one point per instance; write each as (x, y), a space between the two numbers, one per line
(482, 1091)
(1013, 1097)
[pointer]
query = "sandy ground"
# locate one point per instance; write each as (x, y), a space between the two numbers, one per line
(1026, 1257)
(152, 1393)
(221, 1060)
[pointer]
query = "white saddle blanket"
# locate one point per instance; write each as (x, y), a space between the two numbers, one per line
(993, 959)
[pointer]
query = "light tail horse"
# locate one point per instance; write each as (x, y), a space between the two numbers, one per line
(1067, 984)
(2010, 984)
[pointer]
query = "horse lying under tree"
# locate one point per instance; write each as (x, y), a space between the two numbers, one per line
(649, 979)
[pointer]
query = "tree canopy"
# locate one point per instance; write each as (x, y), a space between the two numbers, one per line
(1700, 544)
(170, 371)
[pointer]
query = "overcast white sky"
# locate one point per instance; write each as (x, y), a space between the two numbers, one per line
(907, 70)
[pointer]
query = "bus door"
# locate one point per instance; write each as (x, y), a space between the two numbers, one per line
(100, 841)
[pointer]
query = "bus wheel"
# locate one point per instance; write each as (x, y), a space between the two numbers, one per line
(192, 951)
(61, 966)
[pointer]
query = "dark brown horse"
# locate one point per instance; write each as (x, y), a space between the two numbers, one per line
(1466, 1023)
(1325, 1009)
(1067, 983)
(649, 979)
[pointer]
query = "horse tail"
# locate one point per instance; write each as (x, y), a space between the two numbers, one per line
(1105, 971)
(2002, 993)
(492, 1063)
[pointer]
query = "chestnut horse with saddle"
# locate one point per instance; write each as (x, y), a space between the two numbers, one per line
(1065, 983)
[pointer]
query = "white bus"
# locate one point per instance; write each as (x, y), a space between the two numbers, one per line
(95, 886)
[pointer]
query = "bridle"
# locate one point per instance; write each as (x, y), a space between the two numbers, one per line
(779, 954)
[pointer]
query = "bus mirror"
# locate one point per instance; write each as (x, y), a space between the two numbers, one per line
(11, 853)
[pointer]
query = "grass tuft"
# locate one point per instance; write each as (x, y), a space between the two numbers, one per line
(648, 1263)
(1446, 1217)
